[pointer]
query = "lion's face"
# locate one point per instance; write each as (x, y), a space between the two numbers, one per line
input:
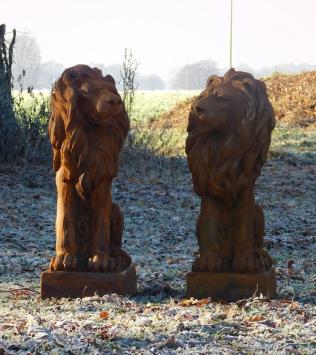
(99, 100)
(86, 111)
(93, 95)
(226, 102)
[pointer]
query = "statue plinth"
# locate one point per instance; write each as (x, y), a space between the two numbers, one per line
(230, 286)
(72, 284)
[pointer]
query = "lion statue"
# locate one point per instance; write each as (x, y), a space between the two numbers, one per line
(229, 134)
(87, 127)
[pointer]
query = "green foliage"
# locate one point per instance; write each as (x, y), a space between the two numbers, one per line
(161, 142)
(32, 112)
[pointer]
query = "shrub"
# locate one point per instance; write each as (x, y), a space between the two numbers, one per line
(32, 112)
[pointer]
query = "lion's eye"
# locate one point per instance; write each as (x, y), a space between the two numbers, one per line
(85, 88)
(221, 97)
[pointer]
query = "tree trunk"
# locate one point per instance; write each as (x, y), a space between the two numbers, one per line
(8, 126)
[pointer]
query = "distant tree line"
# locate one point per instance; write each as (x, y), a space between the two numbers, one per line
(193, 76)
(29, 71)
(284, 68)
(143, 82)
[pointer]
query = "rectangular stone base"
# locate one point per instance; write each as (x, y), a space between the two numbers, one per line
(74, 284)
(230, 286)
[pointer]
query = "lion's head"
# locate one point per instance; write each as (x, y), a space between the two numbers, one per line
(88, 122)
(229, 134)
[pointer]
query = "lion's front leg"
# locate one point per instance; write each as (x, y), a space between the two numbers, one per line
(66, 246)
(262, 258)
(101, 205)
(212, 237)
(249, 255)
(119, 259)
(244, 232)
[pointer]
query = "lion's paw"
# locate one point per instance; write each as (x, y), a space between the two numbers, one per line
(207, 262)
(119, 260)
(263, 260)
(244, 263)
(99, 262)
(256, 262)
(63, 262)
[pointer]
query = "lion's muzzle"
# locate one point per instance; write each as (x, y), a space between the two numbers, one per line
(205, 111)
(109, 104)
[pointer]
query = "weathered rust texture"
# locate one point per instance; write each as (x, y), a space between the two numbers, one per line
(87, 128)
(229, 134)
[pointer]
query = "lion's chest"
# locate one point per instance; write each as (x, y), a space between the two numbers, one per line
(217, 170)
(87, 150)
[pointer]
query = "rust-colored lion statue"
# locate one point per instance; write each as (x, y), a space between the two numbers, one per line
(229, 134)
(87, 128)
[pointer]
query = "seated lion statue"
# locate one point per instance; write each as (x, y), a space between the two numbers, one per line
(87, 127)
(229, 135)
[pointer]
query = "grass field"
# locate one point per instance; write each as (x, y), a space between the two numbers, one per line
(153, 104)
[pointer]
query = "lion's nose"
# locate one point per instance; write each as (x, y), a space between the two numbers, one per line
(108, 102)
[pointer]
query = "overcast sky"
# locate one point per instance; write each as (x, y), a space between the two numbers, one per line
(164, 34)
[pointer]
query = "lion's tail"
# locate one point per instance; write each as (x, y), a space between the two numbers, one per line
(119, 259)
(116, 228)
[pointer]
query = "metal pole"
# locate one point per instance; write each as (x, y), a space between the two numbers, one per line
(187, 74)
(231, 35)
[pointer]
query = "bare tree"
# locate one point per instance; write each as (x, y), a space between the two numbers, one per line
(194, 76)
(27, 62)
(8, 125)
(48, 74)
(128, 74)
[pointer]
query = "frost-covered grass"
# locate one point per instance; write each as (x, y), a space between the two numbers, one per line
(160, 212)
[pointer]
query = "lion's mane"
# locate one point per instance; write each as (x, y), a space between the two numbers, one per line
(224, 162)
(79, 145)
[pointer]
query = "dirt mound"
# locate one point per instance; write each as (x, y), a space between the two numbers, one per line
(293, 98)
(175, 118)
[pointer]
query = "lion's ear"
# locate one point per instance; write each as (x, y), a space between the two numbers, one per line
(109, 79)
(229, 73)
(69, 76)
(97, 70)
(56, 133)
(250, 85)
(213, 81)
(56, 127)
(67, 93)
